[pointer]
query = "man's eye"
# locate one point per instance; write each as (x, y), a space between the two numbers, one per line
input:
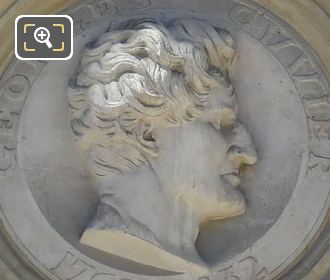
(234, 150)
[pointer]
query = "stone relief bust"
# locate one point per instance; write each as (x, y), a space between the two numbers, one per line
(155, 118)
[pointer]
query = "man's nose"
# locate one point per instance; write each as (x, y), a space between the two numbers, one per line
(241, 149)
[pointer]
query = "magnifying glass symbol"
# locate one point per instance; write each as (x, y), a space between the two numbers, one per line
(42, 35)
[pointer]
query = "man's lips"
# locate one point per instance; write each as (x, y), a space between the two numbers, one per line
(232, 178)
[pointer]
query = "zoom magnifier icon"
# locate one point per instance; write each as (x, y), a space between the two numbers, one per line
(42, 35)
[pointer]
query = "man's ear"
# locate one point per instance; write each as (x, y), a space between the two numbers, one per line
(146, 139)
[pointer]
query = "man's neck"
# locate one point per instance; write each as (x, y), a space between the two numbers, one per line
(140, 200)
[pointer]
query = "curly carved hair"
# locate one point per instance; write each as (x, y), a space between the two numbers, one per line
(141, 77)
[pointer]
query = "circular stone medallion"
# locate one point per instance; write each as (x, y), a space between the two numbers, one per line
(181, 141)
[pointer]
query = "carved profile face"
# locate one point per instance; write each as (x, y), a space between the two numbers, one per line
(156, 96)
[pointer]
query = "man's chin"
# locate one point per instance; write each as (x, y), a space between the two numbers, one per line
(234, 205)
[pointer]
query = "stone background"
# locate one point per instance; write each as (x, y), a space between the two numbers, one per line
(311, 18)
